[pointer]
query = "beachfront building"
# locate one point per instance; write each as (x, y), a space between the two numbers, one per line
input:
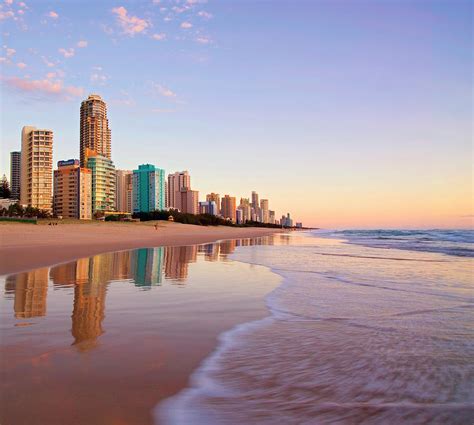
(239, 216)
(208, 207)
(103, 181)
(271, 217)
(246, 209)
(187, 201)
(36, 175)
(72, 191)
(176, 182)
(123, 191)
(94, 128)
(286, 221)
(264, 211)
(228, 207)
(214, 197)
(148, 191)
(15, 171)
(255, 204)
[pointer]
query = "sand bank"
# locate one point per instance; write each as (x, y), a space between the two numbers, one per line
(25, 246)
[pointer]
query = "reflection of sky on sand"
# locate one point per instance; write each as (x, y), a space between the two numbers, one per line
(84, 324)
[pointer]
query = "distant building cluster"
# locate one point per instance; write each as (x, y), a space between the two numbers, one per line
(91, 185)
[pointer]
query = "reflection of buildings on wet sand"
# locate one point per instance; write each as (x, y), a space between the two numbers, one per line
(90, 277)
(146, 266)
(210, 251)
(227, 247)
(177, 259)
(88, 313)
(30, 289)
(71, 273)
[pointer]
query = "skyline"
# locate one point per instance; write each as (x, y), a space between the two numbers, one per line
(299, 115)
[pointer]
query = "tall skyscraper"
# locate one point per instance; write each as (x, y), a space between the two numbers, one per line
(228, 207)
(188, 201)
(177, 181)
(15, 171)
(264, 211)
(36, 179)
(103, 181)
(148, 188)
(123, 190)
(72, 190)
(255, 204)
(245, 208)
(95, 133)
(216, 198)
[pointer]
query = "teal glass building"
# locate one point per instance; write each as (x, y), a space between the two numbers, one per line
(148, 190)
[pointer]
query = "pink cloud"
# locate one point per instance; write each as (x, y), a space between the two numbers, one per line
(67, 53)
(53, 15)
(186, 25)
(130, 25)
(203, 39)
(204, 14)
(21, 65)
(159, 37)
(44, 88)
(6, 15)
(47, 62)
(162, 90)
(82, 43)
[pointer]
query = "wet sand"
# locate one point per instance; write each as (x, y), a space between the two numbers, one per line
(101, 340)
(26, 246)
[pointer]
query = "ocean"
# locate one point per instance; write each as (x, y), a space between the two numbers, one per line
(367, 327)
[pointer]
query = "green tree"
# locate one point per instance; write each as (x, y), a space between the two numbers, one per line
(4, 188)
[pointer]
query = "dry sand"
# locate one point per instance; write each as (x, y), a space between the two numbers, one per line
(27, 246)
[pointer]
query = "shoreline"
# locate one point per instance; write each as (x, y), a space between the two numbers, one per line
(173, 333)
(24, 247)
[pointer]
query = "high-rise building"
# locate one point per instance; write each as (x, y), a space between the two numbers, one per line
(176, 182)
(187, 201)
(228, 207)
(239, 216)
(208, 207)
(246, 209)
(216, 198)
(123, 191)
(255, 204)
(286, 221)
(103, 181)
(271, 217)
(36, 178)
(264, 210)
(15, 171)
(72, 190)
(95, 133)
(148, 188)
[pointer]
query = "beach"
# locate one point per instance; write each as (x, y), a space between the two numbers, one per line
(366, 327)
(26, 246)
(119, 331)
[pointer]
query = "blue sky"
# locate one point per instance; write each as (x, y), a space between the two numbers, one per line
(345, 113)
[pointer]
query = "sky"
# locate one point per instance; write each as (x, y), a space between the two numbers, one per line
(347, 114)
